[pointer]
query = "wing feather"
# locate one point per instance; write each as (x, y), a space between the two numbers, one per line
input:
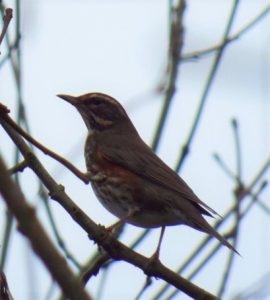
(138, 157)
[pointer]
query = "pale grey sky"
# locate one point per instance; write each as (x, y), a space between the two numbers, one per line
(120, 48)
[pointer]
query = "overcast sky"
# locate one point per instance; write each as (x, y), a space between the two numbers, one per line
(120, 48)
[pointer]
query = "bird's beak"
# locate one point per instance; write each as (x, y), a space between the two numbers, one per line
(71, 99)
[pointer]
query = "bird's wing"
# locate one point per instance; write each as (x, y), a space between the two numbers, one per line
(135, 155)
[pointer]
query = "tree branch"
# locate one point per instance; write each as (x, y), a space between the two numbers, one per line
(18, 168)
(7, 18)
(4, 115)
(29, 226)
(210, 80)
(5, 293)
(175, 48)
(232, 38)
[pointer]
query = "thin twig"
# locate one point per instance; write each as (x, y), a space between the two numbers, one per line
(264, 207)
(5, 293)
(194, 254)
(5, 238)
(7, 56)
(99, 260)
(224, 166)
(93, 266)
(195, 271)
(16, 68)
(18, 168)
(210, 79)
(199, 53)
(186, 147)
(229, 264)
(57, 235)
(175, 48)
(147, 284)
(237, 193)
(238, 153)
(15, 61)
(6, 19)
(50, 291)
(42, 245)
(102, 284)
(255, 198)
(83, 176)
(230, 234)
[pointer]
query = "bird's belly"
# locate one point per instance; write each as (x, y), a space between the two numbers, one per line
(120, 198)
(116, 196)
(123, 192)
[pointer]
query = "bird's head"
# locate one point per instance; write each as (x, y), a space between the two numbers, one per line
(99, 111)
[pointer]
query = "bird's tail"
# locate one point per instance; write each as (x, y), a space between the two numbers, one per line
(204, 226)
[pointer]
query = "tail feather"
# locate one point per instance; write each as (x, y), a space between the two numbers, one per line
(204, 226)
(222, 240)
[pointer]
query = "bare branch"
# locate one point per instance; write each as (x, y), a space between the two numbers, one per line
(60, 241)
(18, 168)
(223, 166)
(175, 48)
(186, 147)
(7, 18)
(93, 267)
(99, 260)
(148, 282)
(42, 245)
(5, 293)
(4, 116)
(210, 255)
(210, 79)
(238, 191)
(199, 53)
(229, 265)
(195, 253)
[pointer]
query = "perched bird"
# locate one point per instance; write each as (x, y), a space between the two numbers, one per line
(128, 178)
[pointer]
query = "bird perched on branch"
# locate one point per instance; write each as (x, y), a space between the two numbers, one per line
(129, 179)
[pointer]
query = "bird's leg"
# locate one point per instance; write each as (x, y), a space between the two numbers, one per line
(123, 220)
(155, 256)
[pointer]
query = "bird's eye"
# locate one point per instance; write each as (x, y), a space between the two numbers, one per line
(96, 102)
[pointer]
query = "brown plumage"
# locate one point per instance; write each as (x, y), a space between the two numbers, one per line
(129, 179)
